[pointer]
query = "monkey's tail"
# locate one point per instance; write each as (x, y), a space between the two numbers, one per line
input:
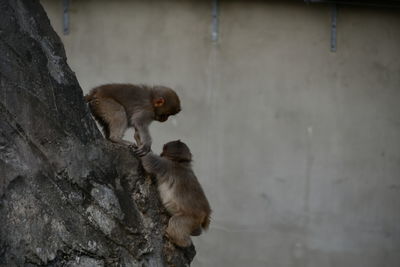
(206, 223)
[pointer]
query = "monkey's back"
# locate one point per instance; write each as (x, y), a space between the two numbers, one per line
(188, 192)
(131, 97)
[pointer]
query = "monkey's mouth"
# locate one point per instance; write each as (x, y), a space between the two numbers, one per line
(162, 118)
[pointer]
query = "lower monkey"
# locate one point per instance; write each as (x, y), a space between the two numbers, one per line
(180, 192)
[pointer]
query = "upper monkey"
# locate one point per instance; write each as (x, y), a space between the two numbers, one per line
(119, 106)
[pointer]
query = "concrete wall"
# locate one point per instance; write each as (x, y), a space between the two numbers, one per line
(298, 148)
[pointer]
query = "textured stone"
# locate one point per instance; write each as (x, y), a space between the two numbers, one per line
(68, 197)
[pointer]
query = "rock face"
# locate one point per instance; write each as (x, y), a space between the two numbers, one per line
(68, 197)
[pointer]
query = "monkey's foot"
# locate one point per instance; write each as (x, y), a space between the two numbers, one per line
(196, 232)
(180, 242)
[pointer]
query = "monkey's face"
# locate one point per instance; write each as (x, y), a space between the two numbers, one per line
(163, 112)
(177, 151)
(166, 103)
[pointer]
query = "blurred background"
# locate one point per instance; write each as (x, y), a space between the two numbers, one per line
(294, 123)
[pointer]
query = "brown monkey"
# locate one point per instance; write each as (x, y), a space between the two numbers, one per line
(119, 106)
(180, 192)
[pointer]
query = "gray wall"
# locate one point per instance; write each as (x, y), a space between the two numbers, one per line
(298, 148)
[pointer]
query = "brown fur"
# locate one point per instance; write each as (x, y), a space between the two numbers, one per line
(120, 106)
(180, 192)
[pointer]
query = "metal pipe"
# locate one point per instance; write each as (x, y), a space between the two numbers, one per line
(384, 3)
(65, 17)
(215, 21)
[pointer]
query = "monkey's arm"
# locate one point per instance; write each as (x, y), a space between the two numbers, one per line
(155, 164)
(141, 121)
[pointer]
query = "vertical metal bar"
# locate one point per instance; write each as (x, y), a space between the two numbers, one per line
(65, 17)
(333, 27)
(215, 21)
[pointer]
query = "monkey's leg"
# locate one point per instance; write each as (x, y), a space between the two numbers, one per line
(114, 116)
(179, 230)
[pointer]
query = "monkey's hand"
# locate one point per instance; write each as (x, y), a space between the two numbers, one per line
(133, 146)
(142, 150)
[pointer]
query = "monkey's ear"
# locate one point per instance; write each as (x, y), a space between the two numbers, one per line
(158, 102)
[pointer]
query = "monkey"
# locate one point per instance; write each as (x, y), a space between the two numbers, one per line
(180, 192)
(120, 106)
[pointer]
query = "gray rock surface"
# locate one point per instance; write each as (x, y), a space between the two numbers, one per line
(68, 197)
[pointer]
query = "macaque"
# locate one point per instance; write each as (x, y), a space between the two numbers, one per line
(180, 192)
(120, 106)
